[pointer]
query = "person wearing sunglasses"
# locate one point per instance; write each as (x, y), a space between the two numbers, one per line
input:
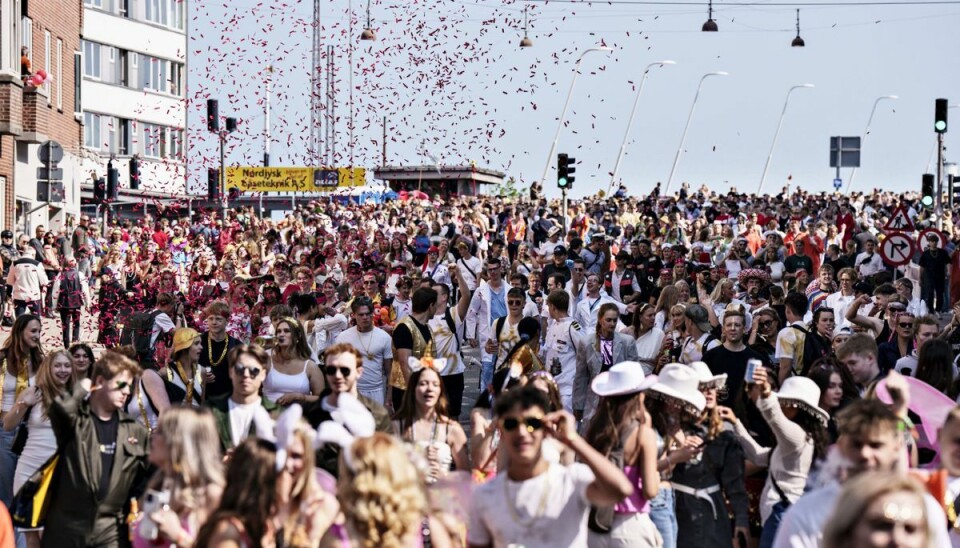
(343, 366)
(103, 456)
(234, 413)
(901, 344)
(533, 496)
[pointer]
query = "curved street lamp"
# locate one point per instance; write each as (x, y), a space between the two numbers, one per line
(563, 113)
(633, 111)
(766, 166)
(683, 138)
(866, 132)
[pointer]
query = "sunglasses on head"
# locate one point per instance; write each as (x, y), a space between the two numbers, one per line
(241, 371)
(510, 424)
(332, 370)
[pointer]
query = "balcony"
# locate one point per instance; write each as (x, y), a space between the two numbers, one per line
(11, 104)
(36, 115)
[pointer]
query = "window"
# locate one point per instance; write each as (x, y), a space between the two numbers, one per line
(93, 3)
(91, 59)
(26, 38)
(176, 79)
(77, 79)
(176, 144)
(59, 81)
(47, 64)
(169, 13)
(91, 131)
(160, 75)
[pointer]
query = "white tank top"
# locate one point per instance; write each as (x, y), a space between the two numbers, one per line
(146, 416)
(277, 384)
(10, 390)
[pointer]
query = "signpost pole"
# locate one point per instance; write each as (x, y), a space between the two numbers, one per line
(939, 181)
(223, 175)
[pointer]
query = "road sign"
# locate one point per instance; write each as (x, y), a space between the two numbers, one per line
(50, 151)
(922, 240)
(899, 221)
(897, 249)
(844, 152)
(293, 179)
(51, 192)
(837, 183)
(56, 174)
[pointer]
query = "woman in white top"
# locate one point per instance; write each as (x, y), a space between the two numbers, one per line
(55, 377)
(149, 399)
(183, 370)
(649, 337)
(799, 426)
(20, 358)
(291, 375)
(422, 420)
(669, 296)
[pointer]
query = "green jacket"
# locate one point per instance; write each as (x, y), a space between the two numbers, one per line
(220, 407)
(77, 516)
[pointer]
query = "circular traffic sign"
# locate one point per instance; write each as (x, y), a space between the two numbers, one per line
(898, 249)
(924, 234)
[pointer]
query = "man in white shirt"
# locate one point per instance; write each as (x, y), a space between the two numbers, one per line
(841, 300)
(546, 248)
(448, 339)
(869, 262)
(576, 286)
(791, 338)
(563, 336)
(235, 413)
(375, 346)
(471, 267)
(534, 503)
(870, 440)
(586, 314)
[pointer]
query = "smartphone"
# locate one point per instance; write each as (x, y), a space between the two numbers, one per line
(752, 366)
(152, 501)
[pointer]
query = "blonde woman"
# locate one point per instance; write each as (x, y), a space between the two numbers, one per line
(880, 509)
(382, 500)
(185, 448)
(54, 378)
(668, 298)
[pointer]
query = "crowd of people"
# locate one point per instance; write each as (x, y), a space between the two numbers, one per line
(695, 370)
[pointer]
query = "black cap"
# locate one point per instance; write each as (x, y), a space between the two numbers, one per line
(863, 287)
(6, 234)
(560, 250)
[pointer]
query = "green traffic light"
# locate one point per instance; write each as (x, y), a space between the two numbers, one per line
(940, 125)
(927, 201)
(561, 182)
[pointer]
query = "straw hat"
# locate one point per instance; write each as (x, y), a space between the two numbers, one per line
(183, 338)
(707, 378)
(680, 382)
(804, 394)
(622, 378)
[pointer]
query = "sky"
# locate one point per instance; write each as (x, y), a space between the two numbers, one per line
(453, 84)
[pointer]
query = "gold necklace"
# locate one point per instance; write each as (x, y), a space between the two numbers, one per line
(187, 381)
(143, 409)
(366, 347)
(541, 507)
(226, 344)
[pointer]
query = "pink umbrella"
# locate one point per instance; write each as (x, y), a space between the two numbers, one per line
(928, 403)
(419, 195)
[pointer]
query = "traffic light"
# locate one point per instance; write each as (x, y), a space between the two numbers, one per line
(565, 170)
(99, 190)
(940, 116)
(213, 184)
(926, 190)
(134, 173)
(113, 184)
(213, 115)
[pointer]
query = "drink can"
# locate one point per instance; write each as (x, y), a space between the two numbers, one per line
(752, 366)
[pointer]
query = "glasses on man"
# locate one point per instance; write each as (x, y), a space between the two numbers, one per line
(242, 371)
(331, 370)
(532, 424)
(514, 302)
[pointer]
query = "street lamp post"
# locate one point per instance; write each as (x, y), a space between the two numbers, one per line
(563, 116)
(633, 112)
(866, 132)
(776, 135)
(683, 138)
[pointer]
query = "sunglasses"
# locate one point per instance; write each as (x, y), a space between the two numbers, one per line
(369, 282)
(121, 385)
(765, 325)
(905, 324)
(242, 371)
(510, 424)
(579, 269)
(332, 371)
(513, 302)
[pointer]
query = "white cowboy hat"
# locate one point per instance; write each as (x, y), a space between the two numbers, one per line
(804, 394)
(707, 378)
(680, 382)
(622, 378)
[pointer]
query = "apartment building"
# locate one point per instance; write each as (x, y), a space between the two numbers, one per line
(132, 93)
(39, 35)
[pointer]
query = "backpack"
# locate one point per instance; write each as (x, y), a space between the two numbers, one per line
(600, 519)
(798, 358)
(71, 293)
(137, 331)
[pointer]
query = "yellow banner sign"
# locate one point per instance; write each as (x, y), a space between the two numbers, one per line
(293, 179)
